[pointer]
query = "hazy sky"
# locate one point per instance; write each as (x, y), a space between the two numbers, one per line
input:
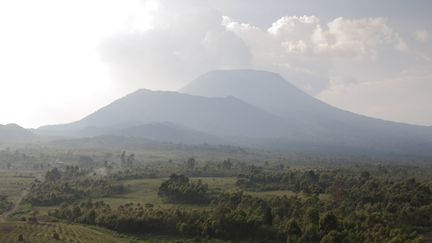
(61, 60)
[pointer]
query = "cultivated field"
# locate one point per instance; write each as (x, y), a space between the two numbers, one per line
(43, 233)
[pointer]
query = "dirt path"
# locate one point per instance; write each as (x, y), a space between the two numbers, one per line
(5, 215)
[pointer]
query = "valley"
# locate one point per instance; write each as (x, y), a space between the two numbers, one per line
(118, 196)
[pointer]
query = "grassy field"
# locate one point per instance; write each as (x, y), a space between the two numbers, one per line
(14, 183)
(146, 191)
(143, 191)
(43, 233)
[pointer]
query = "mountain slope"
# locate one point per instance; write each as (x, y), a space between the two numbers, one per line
(260, 88)
(318, 124)
(169, 132)
(15, 133)
(248, 108)
(270, 92)
(228, 117)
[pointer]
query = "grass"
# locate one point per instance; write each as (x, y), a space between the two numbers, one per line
(143, 191)
(14, 183)
(146, 191)
(43, 233)
(266, 194)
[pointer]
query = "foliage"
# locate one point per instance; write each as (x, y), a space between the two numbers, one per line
(178, 189)
(363, 207)
(304, 181)
(5, 204)
(68, 186)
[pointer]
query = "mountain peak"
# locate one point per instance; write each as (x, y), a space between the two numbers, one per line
(14, 133)
(239, 77)
(251, 108)
(266, 90)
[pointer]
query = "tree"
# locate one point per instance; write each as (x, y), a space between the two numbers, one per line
(310, 234)
(268, 218)
(123, 159)
(55, 236)
(227, 164)
(53, 175)
(311, 216)
(337, 191)
(130, 160)
(190, 163)
(365, 175)
(328, 222)
(332, 237)
(293, 231)
(178, 189)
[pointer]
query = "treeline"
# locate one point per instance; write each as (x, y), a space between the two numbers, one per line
(189, 167)
(139, 219)
(68, 186)
(236, 216)
(297, 181)
(361, 208)
(5, 204)
(178, 189)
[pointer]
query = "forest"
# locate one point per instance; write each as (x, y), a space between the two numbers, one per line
(361, 208)
(134, 197)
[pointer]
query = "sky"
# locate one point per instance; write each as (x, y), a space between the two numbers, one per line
(61, 60)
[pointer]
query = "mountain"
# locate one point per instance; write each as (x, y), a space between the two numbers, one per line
(248, 108)
(318, 124)
(270, 92)
(170, 132)
(266, 90)
(15, 133)
(108, 142)
(226, 117)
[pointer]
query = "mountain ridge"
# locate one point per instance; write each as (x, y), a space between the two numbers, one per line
(14, 133)
(257, 109)
(218, 116)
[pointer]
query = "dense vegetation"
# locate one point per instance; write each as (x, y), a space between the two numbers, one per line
(68, 186)
(362, 208)
(5, 204)
(178, 189)
(304, 181)
(269, 198)
(53, 232)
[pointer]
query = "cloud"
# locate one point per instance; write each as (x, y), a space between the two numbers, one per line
(305, 50)
(181, 45)
(356, 38)
(185, 42)
(351, 63)
(421, 35)
(340, 38)
(404, 97)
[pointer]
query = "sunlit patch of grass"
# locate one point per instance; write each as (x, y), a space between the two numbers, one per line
(44, 232)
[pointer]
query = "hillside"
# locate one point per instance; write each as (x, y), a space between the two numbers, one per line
(42, 233)
(169, 132)
(15, 133)
(319, 124)
(227, 117)
(249, 108)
